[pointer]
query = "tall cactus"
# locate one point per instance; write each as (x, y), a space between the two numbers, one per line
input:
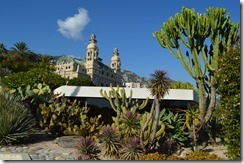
(127, 119)
(119, 101)
(194, 31)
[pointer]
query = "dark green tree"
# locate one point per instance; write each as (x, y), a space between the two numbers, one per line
(181, 85)
(229, 77)
(32, 77)
(207, 37)
(3, 49)
(80, 81)
(16, 63)
(21, 49)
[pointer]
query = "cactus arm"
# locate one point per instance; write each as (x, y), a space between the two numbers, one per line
(185, 63)
(143, 104)
(105, 95)
(144, 126)
(161, 131)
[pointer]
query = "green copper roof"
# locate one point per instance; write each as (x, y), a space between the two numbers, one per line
(69, 59)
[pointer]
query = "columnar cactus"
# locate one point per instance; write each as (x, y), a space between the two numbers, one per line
(119, 101)
(147, 133)
(194, 31)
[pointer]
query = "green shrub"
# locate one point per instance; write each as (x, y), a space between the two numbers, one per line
(32, 77)
(230, 100)
(88, 148)
(175, 136)
(4, 72)
(202, 156)
(15, 120)
(181, 85)
(65, 117)
(153, 156)
(132, 149)
(80, 81)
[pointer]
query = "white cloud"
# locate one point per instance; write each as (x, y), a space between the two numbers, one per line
(72, 27)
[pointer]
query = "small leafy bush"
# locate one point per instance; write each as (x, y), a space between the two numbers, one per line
(202, 156)
(132, 149)
(15, 120)
(88, 148)
(153, 156)
(4, 72)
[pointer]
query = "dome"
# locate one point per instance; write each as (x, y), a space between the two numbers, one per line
(115, 57)
(92, 45)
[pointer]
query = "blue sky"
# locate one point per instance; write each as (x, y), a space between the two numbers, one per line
(124, 24)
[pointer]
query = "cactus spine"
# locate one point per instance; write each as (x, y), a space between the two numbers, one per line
(201, 61)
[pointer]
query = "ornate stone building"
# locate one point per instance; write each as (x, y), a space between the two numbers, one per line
(91, 66)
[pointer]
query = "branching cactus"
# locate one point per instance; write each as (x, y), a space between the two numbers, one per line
(207, 37)
(119, 101)
(147, 133)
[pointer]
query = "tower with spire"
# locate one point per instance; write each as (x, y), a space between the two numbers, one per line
(92, 66)
(115, 61)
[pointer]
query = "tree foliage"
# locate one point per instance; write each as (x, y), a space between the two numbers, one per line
(20, 58)
(32, 77)
(229, 90)
(182, 85)
(195, 31)
(80, 81)
(3, 49)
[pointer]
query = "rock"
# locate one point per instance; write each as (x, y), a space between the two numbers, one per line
(59, 158)
(67, 141)
(183, 152)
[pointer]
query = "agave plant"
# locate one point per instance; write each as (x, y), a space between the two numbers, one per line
(174, 124)
(88, 148)
(15, 120)
(132, 149)
(110, 140)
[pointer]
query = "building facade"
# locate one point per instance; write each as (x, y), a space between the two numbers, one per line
(91, 66)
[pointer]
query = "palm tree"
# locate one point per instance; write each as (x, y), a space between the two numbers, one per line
(20, 48)
(159, 86)
(3, 49)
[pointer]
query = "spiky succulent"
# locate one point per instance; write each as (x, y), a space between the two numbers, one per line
(130, 123)
(88, 148)
(110, 140)
(131, 149)
(15, 120)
